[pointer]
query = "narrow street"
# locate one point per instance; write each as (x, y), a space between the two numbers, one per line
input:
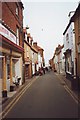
(45, 98)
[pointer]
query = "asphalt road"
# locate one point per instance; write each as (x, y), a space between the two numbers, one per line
(45, 98)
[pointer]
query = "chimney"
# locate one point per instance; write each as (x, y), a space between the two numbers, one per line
(35, 44)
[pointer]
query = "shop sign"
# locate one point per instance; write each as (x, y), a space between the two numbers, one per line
(6, 33)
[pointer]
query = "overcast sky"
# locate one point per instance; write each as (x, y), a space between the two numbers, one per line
(47, 22)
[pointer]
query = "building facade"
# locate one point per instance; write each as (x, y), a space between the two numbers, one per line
(11, 45)
(34, 60)
(69, 50)
(27, 55)
(58, 59)
(40, 55)
(76, 19)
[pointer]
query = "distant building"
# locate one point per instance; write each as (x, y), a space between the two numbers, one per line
(34, 60)
(11, 45)
(58, 59)
(51, 62)
(40, 55)
(57, 62)
(27, 55)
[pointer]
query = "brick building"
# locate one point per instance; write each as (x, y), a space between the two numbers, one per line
(76, 19)
(27, 54)
(11, 44)
(40, 55)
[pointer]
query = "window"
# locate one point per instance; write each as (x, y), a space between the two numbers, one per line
(68, 64)
(8, 67)
(27, 52)
(17, 34)
(28, 39)
(17, 10)
(67, 37)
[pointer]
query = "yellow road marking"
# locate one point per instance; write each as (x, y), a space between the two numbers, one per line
(69, 91)
(66, 88)
(16, 99)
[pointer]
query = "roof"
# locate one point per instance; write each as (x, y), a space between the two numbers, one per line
(34, 49)
(67, 26)
(77, 12)
(27, 43)
(39, 48)
(72, 18)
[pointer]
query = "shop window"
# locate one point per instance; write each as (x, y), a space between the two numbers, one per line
(68, 65)
(8, 71)
(8, 67)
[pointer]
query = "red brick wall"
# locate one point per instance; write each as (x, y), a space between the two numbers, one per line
(10, 18)
(0, 10)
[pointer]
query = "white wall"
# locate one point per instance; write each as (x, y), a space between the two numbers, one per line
(39, 60)
(68, 44)
(33, 68)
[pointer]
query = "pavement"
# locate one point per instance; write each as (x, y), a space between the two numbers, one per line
(11, 95)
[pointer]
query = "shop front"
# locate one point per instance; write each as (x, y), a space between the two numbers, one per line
(11, 69)
(11, 60)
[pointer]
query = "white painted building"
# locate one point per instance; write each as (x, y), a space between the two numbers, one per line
(69, 50)
(58, 59)
(34, 60)
(39, 60)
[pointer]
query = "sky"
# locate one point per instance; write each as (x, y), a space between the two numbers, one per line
(47, 21)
